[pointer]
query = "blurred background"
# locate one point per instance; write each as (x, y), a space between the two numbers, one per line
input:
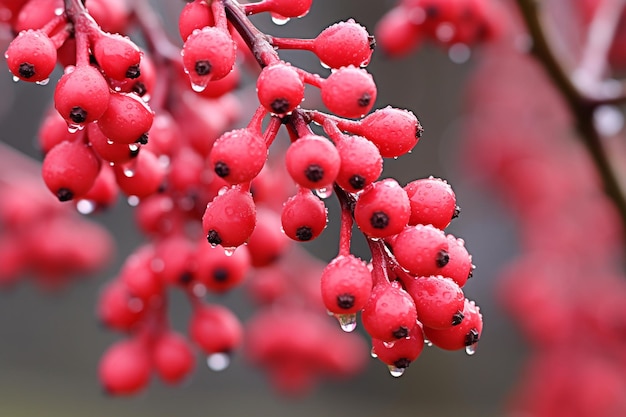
(50, 343)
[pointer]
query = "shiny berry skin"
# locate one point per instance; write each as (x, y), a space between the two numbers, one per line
(208, 54)
(382, 209)
(346, 285)
(70, 169)
(304, 216)
(459, 267)
(361, 163)
(439, 301)
(141, 177)
(349, 92)
(465, 335)
(195, 15)
(125, 368)
(422, 250)
(215, 329)
(218, 271)
(238, 155)
(312, 161)
(344, 44)
(117, 153)
(81, 95)
(280, 88)
(389, 314)
(432, 202)
(230, 218)
(173, 357)
(127, 119)
(117, 56)
(402, 352)
(31, 56)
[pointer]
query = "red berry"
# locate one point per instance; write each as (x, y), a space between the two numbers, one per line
(439, 301)
(465, 335)
(218, 270)
(117, 56)
(459, 267)
(125, 368)
(267, 243)
(346, 285)
(117, 309)
(361, 163)
(139, 275)
(117, 153)
(215, 329)
(194, 16)
(238, 155)
(382, 209)
(81, 95)
(70, 169)
(349, 92)
(208, 54)
(432, 202)
(127, 119)
(389, 314)
(31, 56)
(173, 357)
(280, 88)
(141, 177)
(343, 44)
(229, 218)
(312, 161)
(396, 33)
(304, 216)
(399, 354)
(422, 250)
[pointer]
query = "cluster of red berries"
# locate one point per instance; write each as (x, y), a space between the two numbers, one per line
(153, 124)
(565, 290)
(453, 24)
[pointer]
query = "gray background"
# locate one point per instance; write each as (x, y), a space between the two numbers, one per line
(50, 344)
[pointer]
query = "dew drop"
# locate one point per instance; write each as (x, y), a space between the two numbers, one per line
(86, 206)
(323, 192)
(389, 345)
(133, 147)
(396, 372)
(229, 251)
(59, 11)
(129, 172)
(198, 88)
(279, 20)
(73, 127)
(324, 65)
(218, 361)
(43, 82)
(347, 322)
(133, 200)
(471, 349)
(373, 353)
(428, 342)
(15, 78)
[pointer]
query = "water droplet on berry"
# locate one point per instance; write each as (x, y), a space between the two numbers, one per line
(323, 192)
(324, 65)
(396, 372)
(198, 88)
(279, 20)
(428, 342)
(389, 345)
(15, 78)
(199, 290)
(59, 11)
(133, 200)
(229, 251)
(373, 353)
(43, 82)
(129, 172)
(218, 361)
(347, 322)
(85, 206)
(471, 349)
(73, 127)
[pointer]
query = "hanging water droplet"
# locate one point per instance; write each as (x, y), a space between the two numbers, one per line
(428, 342)
(198, 88)
(229, 251)
(133, 147)
(129, 172)
(218, 361)
(396, 372)
(43, 82)
(324, 65)
(347, 322)
(388, 345)
(471, 349)
(279, 20)
(373, 353)
(73, 127)
(323, 192)
(15, 78)
(59, 11)
(133, 200)
(86, 206)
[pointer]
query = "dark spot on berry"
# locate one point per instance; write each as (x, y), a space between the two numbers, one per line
(314, 173)
(365, 100)
(345, 301)
(133, 72)
(202, 67)
(431, 11)
(304, 233)
(457, 318)
(457, 212)
(401, 332)
(419, 132)
(64, 194)
(402, 363)
(26, 70)
(143, 139)
(379, 220)
(357, 182)
(471, 337)
(78, 115)
(280, 106)
(442, 258)
(185, 278)
(471, 272)
(139, 88)
(220, 274)
(213, 237)
(372, 41)
(221, 169)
